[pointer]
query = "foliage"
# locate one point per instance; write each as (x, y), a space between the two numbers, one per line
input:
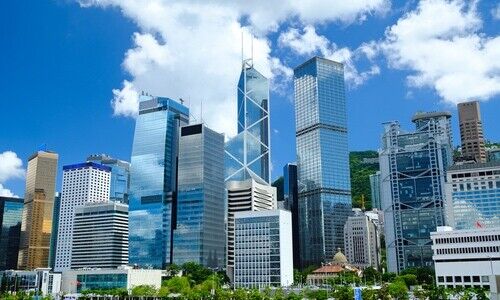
(398, 289)
(178, 285)
(388, 276)
(144, 290)
(317, 294)
(370, 275)
(300, 277)
(424, 275)
(408, 279)
(360, 180)
(196, 272)
(343, 292)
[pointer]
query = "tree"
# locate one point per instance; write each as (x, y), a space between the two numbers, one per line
(178, 285)
(424, 275)
(370, 275)
(408, 279)
(398, 290)
(420, 293)
(343, 292)
(196, 272)
(144, 290)
(438, 293)
(369, 294)
(388, 276)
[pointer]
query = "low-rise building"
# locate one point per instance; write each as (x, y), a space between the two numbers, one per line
(263, 249)
(467, 258)
(325, 273)
(77, 281)
(40, 280)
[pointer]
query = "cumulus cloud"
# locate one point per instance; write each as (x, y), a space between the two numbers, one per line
(11, 167)
(192, 49)
(441, 44)
(307, 42)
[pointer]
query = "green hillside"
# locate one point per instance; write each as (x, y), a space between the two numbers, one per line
(360, 172)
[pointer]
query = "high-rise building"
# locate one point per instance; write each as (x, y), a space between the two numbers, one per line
(291, 194)
(322, 158)
(248, 154)
(120, 176)
(248, 195)
(199, 235)
(11, 213)
(36, 225)
(471, 131)
(100, 235)
(55, 227)
(412, 174)
(362, 241)
(82, 183)
(268, 262)
(473, 195)
(153, 173)
(375, 190)
(494, 154)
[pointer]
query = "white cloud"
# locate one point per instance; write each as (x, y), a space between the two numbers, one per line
(192, 49)
(309, 42)
(441, 43)
(11, 167)
(495, 12)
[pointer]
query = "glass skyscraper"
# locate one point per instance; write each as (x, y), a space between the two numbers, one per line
(55, 227)
(322, 158)
(199, 235)
(412, 182)
(120, 176)
(290, 195)
(248, 153)
(153, 180)
(11, 213)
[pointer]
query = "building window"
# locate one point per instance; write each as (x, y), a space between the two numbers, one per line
(449, 279)
(458, 279)
(475, 278)
(440, 279)
(485, 278)
(466, 278)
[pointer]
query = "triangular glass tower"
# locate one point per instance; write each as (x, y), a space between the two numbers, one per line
(248, 153)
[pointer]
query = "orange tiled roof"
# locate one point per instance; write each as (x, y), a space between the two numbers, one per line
(329, 269)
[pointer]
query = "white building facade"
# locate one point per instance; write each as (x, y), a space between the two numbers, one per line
(467, 258)
(82, 183)
(100, 236)
(40, 280)
(263, 252)
(362, 241)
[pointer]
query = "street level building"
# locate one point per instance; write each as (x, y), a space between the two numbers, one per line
(473, 195)
(100, 235)
(362, 241)
(40, 280)
(11, 213)
(82, 183)
(471, 131)
(467, 258)
(36, 226)
(263, 249)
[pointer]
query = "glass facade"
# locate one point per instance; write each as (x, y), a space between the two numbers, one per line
(248, 153)
(375, 190)
(413, 165)
(322, 158)
(120, 176)
(11, 212)
(55, 227)
(199, 235)
(290, 194)
(152, 180)
(100, 282)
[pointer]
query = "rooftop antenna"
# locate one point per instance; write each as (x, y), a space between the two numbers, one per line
(181, 100)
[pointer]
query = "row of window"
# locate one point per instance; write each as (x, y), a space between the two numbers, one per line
(469, 250)
(468, 239)
(456, 279)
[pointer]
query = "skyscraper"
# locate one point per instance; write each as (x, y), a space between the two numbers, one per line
(248, 154)
(55, 228)
(375, 190)
(11, 212)
(412, 173)
(120, 176)
(471, 131)
(100, 237)
(199, 235)
(290, 194)
(153, 173)
(322, 158)
(37, 213)
(82, 183)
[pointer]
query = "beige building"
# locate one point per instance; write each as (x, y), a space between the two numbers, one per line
(36, 225)
(338, 266)
(362, 241)
(471, 131)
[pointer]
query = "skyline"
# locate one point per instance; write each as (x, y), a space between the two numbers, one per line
(89, 45)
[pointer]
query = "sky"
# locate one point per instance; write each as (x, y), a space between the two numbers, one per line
(71, 71)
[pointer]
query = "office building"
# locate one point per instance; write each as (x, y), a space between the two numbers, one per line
(153, 178)
(120, 176)
(324, 183)
(291, 194)
(36, 225)
(471, 131)
(473, 195)
(412, 174)
(248, 195)
(100, 236)
(11, 213)
(362, 241)
(82, 183)
(77, 281)
(263, 249)
(467, 258)
(377, 217)
(55, 227)
(375, 190)
(200, 233)
(40, 280)
(248, 154)
(494, 154)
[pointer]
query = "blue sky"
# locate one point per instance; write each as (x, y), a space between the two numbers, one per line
(71, 71)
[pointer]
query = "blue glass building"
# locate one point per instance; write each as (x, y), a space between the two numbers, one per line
(153, 180)
(120, 176)
(55, 227)
(11, 213)
(248, 154)
(199, 235)
(322, 158)
(290, 195)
